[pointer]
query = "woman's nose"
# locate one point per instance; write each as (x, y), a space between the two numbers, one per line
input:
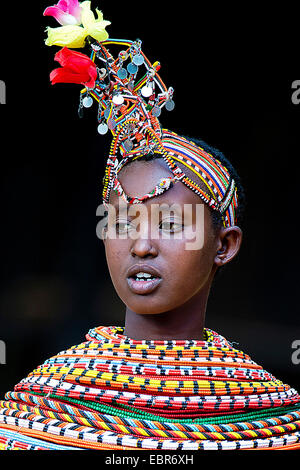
(144, 243)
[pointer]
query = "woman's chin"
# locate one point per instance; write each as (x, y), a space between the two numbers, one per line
(146, 306)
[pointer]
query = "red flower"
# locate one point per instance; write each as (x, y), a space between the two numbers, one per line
(76, 68)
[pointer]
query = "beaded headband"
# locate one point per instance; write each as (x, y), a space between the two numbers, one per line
(130, 96)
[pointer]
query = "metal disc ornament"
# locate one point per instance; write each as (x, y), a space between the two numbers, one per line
(102, 128)
(111, 124)
(128, 145)
(156, 111)
(170, 105)
(132, 68)
(138, 59)
(106, 113)
(118, 99)
(122, 73)
(147, 91)
(87, 101)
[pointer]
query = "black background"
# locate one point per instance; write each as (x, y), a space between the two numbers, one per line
(227, 70)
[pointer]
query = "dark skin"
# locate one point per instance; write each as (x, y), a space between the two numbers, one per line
(176, 308)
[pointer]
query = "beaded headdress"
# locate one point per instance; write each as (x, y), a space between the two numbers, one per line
(130, 96)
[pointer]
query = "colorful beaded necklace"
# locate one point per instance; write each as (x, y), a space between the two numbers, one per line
(112, 392)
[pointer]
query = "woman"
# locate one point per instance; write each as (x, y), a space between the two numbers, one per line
(163, 381)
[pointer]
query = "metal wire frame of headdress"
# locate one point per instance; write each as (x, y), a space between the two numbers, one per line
(129, 107)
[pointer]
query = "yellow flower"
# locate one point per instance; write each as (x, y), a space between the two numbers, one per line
(74, 36)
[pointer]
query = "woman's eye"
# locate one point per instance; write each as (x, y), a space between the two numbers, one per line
(171, 226)
(122, 226)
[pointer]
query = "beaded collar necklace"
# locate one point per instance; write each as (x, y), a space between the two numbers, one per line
(112, 392)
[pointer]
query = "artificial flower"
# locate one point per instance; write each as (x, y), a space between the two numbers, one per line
(66, 12)
(76, 68)
(74, 36)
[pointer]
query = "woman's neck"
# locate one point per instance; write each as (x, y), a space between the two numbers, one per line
(183, 323)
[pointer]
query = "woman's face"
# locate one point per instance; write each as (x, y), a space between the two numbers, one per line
(157, 239)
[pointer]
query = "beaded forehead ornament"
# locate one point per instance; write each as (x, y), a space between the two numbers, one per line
(130, 96)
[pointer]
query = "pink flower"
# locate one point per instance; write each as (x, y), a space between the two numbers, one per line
(66, 12)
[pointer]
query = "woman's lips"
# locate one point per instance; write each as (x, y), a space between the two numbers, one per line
(143, 287)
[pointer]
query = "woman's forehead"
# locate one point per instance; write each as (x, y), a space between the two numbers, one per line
(140, 177)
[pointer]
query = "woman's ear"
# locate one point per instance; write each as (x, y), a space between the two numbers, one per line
(228, 245)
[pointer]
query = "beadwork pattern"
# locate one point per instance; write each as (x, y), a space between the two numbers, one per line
(112, 392)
